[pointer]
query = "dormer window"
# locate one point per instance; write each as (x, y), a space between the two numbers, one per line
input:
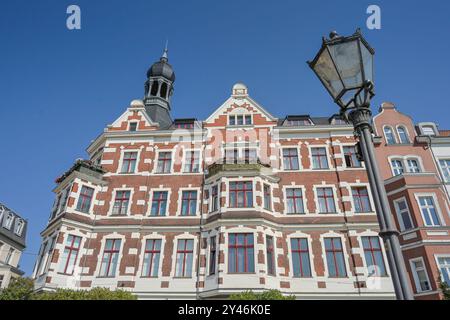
(239, 120)
(184, 123)
(19, 227)
(8, 221)
(428, 131)
(133, 126)
(292, 121)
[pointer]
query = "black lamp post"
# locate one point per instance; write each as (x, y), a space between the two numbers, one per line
(344, 65)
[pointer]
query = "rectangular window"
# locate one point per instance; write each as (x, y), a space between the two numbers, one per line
(214, 198)
(319, 158)
(232, 120)
(241, 194)
(290, 159)
(351, 159)
(152, 254)
(374, 256)
(270, 254)
(326, 200)
(361, 199)
(164, 162)
(70, 255)
(248, 119)
(42, 252)
(445, 167)
(294, 197)
(66, 196)
(444, 268)
(231, 156)
(49, 255)
(85, 199)
(9, 256)
(397, 167)
(239, 120)
(110, 258)
(189, 203)
(129, 162)
(429, 213)
(250, 156)
(335, 257)
(185, 252)
(121, 203)
(133, 126)
(192, 161)
(241, 253)
(212, 255)
(300, 257)
(267, 197)
(420, 275)
(403, 215)
(159, 203)
(413, 166)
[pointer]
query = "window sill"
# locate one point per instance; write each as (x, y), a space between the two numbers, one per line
(241, 273)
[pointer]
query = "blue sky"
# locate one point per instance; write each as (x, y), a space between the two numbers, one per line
(60, 88)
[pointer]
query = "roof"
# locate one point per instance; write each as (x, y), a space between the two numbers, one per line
(11, 234)
(84, 166)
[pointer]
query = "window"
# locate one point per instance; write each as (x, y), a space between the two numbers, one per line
(267, 197)
(300, 257)
(270, 254)
(42, 251)
(129, 162)
(85, 199)
(389, 135)
(239, 120)
(397, 167)
(420, 275)
(445, 167)
(351, 159)
(444, 268)
(19, 227)
(413, 166)
(403, 136)
(241, 194)
(212, 255)
(241, 253)
(299, 122)
(319, 158)
(192, 161)
(214, 198)
(185, 252)
(231, 155)
(429, 213)
(326, 200)
(9, 256)
(66, 196)
(121, 203)
(1, 280)
(249, 156)
(361, 199)
(70, 254)
(374, 255)
(189, 203)
(152, 253)
(8, 221)
(110, 258)
(159, 203)
(49, 255)
(404, 217)
(164, 162)
(335, 257)
(428, 130)
(56, 205)
(294, 197)
(133, 126)
(290, 159)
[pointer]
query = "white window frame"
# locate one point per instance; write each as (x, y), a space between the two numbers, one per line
(447, 168)
(18, 228)
(399, 216)
(113, 199)
(155, 165)
(436, 257)
(94, 195)
(122, 155)
(9, 219)
(304, 198)
(296, 235)
(416, 276)
(437, 208)
(316, 200)
(333, 234)
(227, 200)
(111, 236)
(150, 197)
(161, 256)
(180, 202)
(393, 135)
(327, 151)
(237, 230)
(369, 193)
(299, 158)
(183, 161)
(394, 168)
(185, 236)
(406, 132)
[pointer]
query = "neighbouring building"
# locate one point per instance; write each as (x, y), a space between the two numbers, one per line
(201, 209)
(416, 181)
(13, 231)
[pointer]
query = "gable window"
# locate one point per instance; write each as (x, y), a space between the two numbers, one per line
(351, 159)
(389, 135)
(319, 158)
(241, 253)
(121, 202)
(290, 159)
(239, 120)
(294, 197)
(267, 197)
(212, 255)
(413, 165)
(397, 167)
(133, 126)
(152, 253)
(403, 215)
(70, 255)
(270, 254)
(192, 161)
(185, 253)
(214, 198)
(444, 268)
(241, 194)
(361, 199)
(19, 227)
(85, 199)
(326, 200)
(9, 256)
(110, 258)
(420, 275)
(335, 257)
(189, 203)
(374, 256)
(164, 162)
(159, 203)
(8, 221)
(129, 162)
(403, 136)
(445, 167)
(428, 210)
(300, 257)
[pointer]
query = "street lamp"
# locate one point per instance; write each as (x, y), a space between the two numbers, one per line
(344, 65)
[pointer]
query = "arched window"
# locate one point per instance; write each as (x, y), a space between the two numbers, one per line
(389, 135)
(19, 227)
(154, 88)
(397, 167)
(163, 93)
(8, 221)
(402, 135)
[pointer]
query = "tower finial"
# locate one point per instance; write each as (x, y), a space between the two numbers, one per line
(165, 56)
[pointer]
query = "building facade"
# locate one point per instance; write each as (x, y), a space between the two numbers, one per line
(201, 209)
(418, 196)
(13, 230)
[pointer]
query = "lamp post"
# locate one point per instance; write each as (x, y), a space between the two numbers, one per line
(344, 65)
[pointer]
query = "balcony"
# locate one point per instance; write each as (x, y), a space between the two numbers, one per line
(239, 168)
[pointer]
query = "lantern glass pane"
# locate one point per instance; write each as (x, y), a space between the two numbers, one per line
(346, 56)
(326, 71)
(367, 59)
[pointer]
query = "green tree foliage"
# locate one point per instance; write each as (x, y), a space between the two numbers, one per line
(445, 289)
(18, 289)
(266, 295)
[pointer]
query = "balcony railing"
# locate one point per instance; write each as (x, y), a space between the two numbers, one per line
(238, 166)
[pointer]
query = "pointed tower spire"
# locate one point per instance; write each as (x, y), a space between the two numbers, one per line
(165, 56)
